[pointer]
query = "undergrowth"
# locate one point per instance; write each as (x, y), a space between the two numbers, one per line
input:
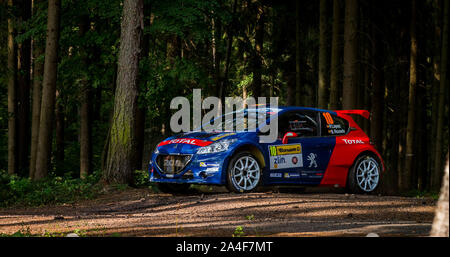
(15, 190)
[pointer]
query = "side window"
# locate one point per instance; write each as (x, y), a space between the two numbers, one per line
(303, 123)
(333, 125)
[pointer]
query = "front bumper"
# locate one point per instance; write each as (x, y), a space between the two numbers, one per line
(202, 169)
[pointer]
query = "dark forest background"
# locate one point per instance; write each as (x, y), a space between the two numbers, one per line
(84, 91)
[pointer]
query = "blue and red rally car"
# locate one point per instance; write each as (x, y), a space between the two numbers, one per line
(314, 147)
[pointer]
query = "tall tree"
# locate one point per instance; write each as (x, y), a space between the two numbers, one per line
(335, 51)
(323, 56)
(48, 90)
(23, 87)
(350, 83)
(441, 104)
(409, 151)
(257, 58)
(38, 68)
(59, 131)
(437, 21)
(85, 112)
(12, 91)
(376, 129)
(230, 30)
(298, 56)
(122, 143)
(216, 26)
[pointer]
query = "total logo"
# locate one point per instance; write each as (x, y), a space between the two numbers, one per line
(353, 141)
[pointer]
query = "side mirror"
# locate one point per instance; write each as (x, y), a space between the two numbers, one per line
(287, 136)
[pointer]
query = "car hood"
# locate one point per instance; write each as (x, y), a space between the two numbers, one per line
(189, 142)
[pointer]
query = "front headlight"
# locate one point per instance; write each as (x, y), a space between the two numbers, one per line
(216, 147)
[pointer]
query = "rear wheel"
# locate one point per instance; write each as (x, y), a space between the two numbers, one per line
(244, 173)
(173, 188)
(364, 175)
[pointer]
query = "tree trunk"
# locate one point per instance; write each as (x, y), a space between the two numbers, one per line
(23, 90)
(48, 91)
(298, 57)
(441, 106)
(435, 88)
(334, 73)
(230, 30)
(216, 56)
(257, 59)
(12, 91)
(376, 130)
(323, 57)
(409, 151)
(38, 68)
(350, 55)
(59, 133)
(440, 223)
(122, 145)
(85, 132)
(85, 114)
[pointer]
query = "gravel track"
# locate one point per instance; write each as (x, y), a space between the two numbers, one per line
(140, 212)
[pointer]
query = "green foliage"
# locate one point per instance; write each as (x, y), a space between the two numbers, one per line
(422, 194)
(20, 233)
(141, 179)
(238, 232)
(27, 233)
(54, 189)
(250, 217)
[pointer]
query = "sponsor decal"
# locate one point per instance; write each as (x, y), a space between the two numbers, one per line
(276, 175)
(188, 141)
(291, 175)
(312, 174)
(328, 118)
(312, 160)
(353, 141)
(335, 129)
(285, 156)
(222, 136)
(289, 149)
(212, 169)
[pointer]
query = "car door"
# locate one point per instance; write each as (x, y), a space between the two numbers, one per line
(298, 161)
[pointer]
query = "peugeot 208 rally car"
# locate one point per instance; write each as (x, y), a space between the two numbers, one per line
(314, 147)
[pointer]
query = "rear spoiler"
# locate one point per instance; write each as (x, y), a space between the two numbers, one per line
(363, 113)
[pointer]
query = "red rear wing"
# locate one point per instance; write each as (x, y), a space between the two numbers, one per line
(363, 113)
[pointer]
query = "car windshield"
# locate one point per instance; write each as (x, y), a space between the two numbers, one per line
(241, 120)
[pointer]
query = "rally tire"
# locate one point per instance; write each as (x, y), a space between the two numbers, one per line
(365, 174)
(173, 188)
(244, 173)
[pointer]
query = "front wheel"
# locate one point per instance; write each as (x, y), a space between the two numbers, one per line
(364, 175)
(244, 173)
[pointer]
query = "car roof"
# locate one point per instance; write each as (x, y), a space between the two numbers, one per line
(292, 108)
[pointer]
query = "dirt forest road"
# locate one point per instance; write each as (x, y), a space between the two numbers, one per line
(140, 212)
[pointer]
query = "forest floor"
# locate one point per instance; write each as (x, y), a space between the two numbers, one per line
(141, 212)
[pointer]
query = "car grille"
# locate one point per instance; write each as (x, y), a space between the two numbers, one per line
(171, 163)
